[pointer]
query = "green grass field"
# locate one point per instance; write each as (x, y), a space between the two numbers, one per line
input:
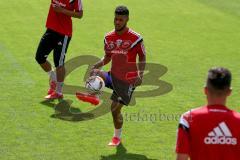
(186, 36)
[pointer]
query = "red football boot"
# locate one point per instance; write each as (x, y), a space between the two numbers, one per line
(115, 141)
(52, 88)
(54, 95)
(93, 99)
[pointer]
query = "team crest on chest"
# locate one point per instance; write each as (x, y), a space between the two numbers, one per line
(119, 42)
(126, 44)
(110, 46)
(59, 3)
(119, 46)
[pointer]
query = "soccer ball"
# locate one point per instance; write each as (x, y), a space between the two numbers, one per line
(95, 84)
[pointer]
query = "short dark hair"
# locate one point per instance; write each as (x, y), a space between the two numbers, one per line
(122, 10)
(219, 78)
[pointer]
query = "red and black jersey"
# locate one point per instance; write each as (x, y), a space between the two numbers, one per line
(123, 50)
(209, 133)
(60, 22)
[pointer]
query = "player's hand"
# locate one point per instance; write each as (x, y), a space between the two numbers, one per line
(90, 79)
(57, 8)
(138, 81)
(94, 70)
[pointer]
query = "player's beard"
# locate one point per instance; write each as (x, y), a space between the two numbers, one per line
(119, 30)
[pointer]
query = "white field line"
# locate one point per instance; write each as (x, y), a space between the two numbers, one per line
(21, 76)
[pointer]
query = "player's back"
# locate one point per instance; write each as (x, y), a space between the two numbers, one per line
(214, 133)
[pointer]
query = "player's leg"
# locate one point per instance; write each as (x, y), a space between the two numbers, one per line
(118, 123)
(46, 45)
(121, 96)
(59, 53)
(117, 117)
(52, 76)
(46, 66)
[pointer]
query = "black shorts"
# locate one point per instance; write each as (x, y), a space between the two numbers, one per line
(52, 40)
(122, 91)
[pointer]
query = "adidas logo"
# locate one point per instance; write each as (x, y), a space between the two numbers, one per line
(60, 43)
(220, 135)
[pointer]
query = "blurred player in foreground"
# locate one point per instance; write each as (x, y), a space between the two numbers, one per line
(211, 132)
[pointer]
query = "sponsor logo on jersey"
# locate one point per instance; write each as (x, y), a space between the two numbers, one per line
(220, 135)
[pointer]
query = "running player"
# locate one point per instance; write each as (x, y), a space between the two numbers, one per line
(211, 132)
(122, 46)
(57, 38)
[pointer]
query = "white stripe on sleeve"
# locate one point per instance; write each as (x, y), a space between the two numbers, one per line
(80, 7)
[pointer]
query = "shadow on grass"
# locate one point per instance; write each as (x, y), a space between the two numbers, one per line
(66, 112)
(122, 154)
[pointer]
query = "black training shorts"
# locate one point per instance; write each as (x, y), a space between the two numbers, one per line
(52, 40)
(122, 91)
